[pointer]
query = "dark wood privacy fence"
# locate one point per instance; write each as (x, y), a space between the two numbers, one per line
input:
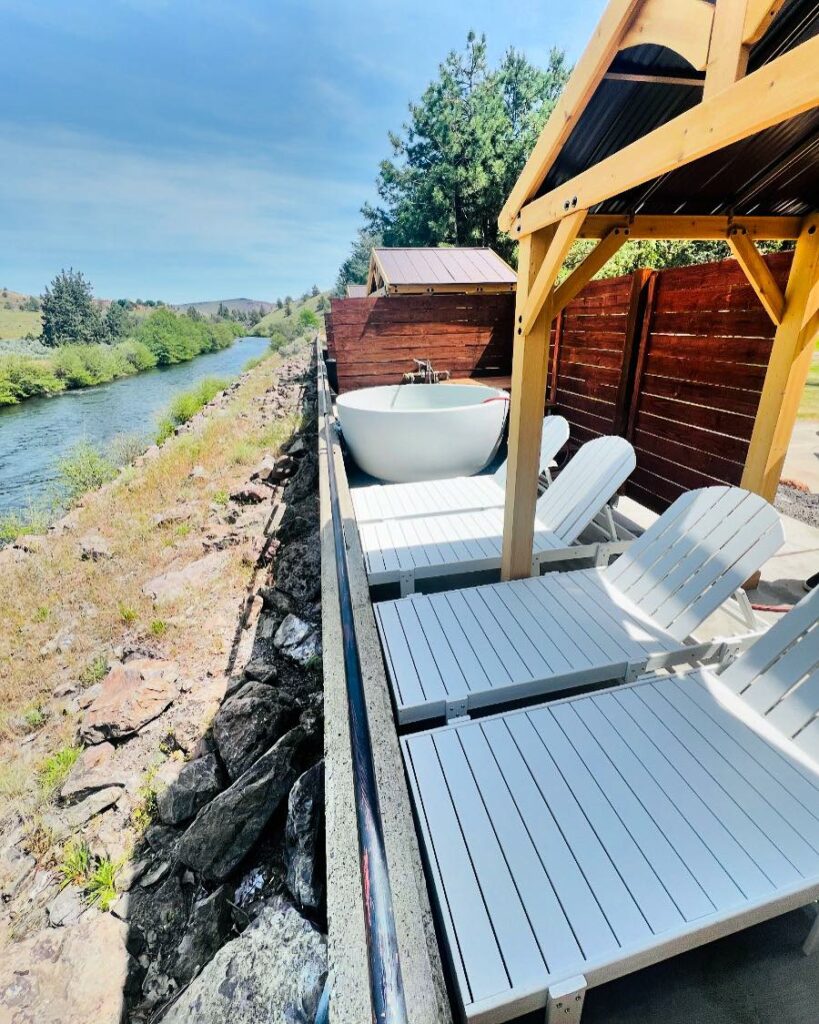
(675, 361)
(376, 339)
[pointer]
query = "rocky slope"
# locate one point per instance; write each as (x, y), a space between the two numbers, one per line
(182, 871)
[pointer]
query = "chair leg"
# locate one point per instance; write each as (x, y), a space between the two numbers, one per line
(812, 941)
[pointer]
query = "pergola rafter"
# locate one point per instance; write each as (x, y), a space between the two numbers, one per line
(733, 106)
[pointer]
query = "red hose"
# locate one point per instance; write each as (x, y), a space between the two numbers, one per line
(781, 608)
(496, 398)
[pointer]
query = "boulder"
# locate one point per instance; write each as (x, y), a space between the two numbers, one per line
(132, 695)
(194, 576)
(66, 907)
(304, 480)
(207, 931)
(249, 723)
(197, 784)
(94, 548)
(250, 494)
(15, 867)
(67, 976)
(96, 769)
(275, 971)
(68, 819)
(298, 571)
(157, 920)
(297, 639)
(224, 831)
(304, 837)
(260, 671)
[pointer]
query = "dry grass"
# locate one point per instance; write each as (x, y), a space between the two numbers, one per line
(101, 604)
(17, 323)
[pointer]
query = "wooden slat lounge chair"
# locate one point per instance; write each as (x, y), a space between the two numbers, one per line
(575, 842)
(378, 502)
(424, 547)
(452, 652)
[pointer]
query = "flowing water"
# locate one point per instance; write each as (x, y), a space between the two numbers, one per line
(36, 433)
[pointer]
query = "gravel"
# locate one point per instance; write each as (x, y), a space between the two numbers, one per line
(792, 501)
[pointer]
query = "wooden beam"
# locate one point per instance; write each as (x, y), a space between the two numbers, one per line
(628, 76)
(584, 79)
(540, 288)
(759, 275)
(682, 25)
(785, 87)
(528, 395)
(758, 18)
(727, 53)
(598, 225)
(787, 370)
(582, 274)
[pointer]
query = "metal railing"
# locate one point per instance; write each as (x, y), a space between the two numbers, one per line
(386, 985)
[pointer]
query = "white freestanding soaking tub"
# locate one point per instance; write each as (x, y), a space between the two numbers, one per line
(408, 432)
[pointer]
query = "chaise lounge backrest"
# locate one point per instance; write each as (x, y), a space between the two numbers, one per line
(700, 550)
(585, 484)
(554, 434)
(778, 676)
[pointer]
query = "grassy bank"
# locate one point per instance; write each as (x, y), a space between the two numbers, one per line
(162, 339)
(63, 615)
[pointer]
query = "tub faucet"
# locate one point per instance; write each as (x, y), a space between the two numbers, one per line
(426, 373)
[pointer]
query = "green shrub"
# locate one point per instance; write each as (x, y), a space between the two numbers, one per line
(95, 671)
(187, 404)
(101, 887)
(307, 319)
(54, 770)
(15, 524)
(83, 469)
(76, 864)
(24, 377)
(158, 627)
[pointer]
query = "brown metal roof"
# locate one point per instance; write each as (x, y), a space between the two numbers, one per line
(428, 267)
(772, 173)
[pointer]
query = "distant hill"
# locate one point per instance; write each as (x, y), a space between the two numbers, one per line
(277, 316)
(234, 305)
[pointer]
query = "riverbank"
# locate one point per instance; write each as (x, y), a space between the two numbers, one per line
(161, 689)
(163, 339)
(115, 418)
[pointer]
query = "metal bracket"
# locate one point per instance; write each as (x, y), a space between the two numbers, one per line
(406, 581)
(564, 1002)
(456, 709)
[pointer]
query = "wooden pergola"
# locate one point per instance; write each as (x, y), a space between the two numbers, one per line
(683, 119)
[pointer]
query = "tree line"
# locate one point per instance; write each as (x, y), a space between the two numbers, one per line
(456, 158)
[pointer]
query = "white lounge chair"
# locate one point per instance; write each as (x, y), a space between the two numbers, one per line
(575, 842)
(453, 652)
(457, 494)
(422, 547)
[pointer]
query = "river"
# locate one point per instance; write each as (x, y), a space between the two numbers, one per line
(35, 434)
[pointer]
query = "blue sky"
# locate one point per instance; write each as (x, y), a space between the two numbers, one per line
(194, 149)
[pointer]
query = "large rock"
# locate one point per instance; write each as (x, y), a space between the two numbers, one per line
(177, 582)
(274, 972)
(132, 695)
(298, 640)
(96, 769)
(15, 867)
(68, 819)
(197, 784)
(67, 976)
(157, 920)
(66, 908)
(249, 723)
(224, 831)
(207, 931)
(298, 570)
(305, 839)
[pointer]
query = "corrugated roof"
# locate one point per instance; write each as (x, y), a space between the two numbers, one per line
(356, 291)
(431, 266)
(775, 172)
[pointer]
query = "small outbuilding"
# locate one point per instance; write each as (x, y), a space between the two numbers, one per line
(414, 271)
(356, 291)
